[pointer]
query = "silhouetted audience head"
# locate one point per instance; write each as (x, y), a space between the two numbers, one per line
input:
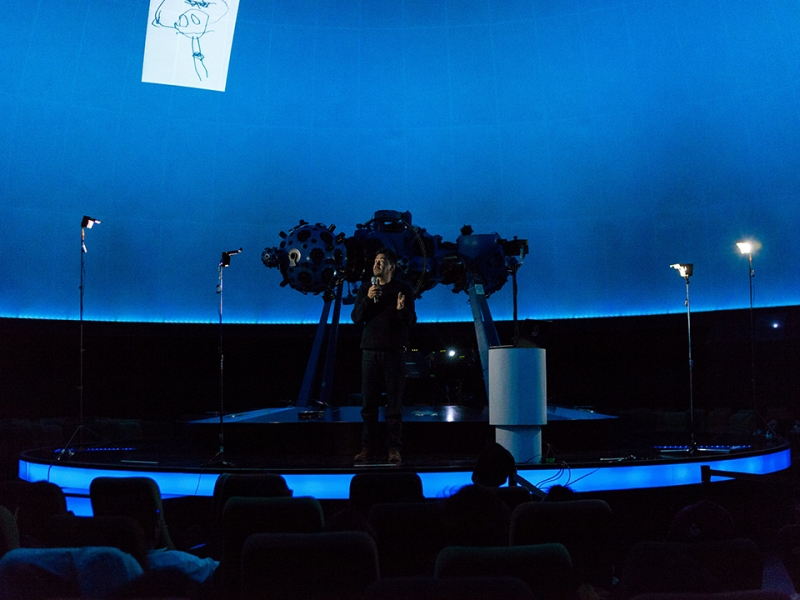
(702, 521)
(37, 502)
(494, 467)
(475, 516)
(558, 492)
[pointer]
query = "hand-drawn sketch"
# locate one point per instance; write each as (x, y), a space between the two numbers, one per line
(192, 20)
(188, 42)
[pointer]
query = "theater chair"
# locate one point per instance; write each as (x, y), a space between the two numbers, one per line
(449, 588)
(136, 497)
(367, 489)
(691, 567)
(326, 565)
(243, 517)
(409, 536)
(545, 568)
(584, 527)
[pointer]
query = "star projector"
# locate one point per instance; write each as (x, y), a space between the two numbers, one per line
(313, 260)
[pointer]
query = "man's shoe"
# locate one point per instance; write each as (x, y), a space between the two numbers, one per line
(394, 455)
(363, 456)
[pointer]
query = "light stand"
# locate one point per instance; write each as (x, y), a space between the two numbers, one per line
(86, 223)
(219, 458)
(685, 271)
(748, 248)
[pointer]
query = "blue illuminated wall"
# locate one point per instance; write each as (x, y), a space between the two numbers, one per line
(618, 137)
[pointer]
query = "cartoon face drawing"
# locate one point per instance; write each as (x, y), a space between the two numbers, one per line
(191, 18)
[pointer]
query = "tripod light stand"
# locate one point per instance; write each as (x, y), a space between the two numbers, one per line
(685, 271)
(219, 459)
(86, 223)
(748, 248)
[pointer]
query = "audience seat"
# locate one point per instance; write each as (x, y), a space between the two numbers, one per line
(243, 517)
(741, 595)
(253, 485)
(692, 567)
(513, 495)
(124, 533)
(370, 488)
(545, 568)
(135, 497)
(788, 546)
(9, 534)
(449, 588)
(337, 565)
(409, 536)
(584, 527)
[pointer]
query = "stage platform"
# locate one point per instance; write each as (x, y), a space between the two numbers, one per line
(313, 449)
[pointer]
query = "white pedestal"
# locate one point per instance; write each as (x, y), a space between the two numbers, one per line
(518, 400)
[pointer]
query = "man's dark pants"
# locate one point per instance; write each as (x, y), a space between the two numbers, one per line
(382, 370)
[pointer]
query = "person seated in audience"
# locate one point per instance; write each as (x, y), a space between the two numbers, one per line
(475, 516)
(494, 467)
(702, 521)
(559, 493)
(161, 558)
(37, 502)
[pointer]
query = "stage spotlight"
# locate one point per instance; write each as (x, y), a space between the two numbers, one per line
(685, 271)
(88, 222)
(451, 353)
(748, 247)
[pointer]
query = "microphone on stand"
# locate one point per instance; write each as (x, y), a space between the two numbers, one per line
(375, 281)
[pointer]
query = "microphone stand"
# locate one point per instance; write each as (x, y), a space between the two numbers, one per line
(86, 223)
(685, 271)
(692, 443)
(752, 336)
(219, 458)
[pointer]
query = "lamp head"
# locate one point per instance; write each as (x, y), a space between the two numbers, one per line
(88, 222)
(748, 247)
(685, 270)
(225, 261)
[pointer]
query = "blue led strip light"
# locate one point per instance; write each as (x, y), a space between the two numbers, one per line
(336, 486)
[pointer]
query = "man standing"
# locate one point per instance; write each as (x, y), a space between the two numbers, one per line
(386, 310)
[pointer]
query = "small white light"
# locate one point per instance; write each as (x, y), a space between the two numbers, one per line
(776, 325)
(745, 247)
(451, 353)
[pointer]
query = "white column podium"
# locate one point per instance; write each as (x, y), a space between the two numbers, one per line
(518, 400)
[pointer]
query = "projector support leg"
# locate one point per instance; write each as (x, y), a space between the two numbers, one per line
(316, 351)
(326, 388)
(313, 359)
(485, 331)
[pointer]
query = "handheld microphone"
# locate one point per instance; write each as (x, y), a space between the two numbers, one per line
(375, 281)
